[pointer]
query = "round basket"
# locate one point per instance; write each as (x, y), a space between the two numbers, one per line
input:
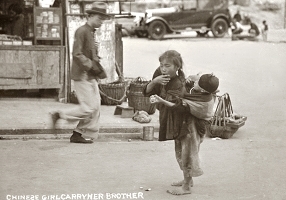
(224, 132)
(112, 93)
(138, 84)
(135, 96)
(139, 102)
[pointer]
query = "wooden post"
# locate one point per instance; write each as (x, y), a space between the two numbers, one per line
(119, 48)
(285, 15)
(67, 67)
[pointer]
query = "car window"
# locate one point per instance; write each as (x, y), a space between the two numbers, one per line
(172, 3)
(190, 4)
(205, 4)
(220, 4)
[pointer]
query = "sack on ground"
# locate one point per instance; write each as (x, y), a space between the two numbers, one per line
(141, 117)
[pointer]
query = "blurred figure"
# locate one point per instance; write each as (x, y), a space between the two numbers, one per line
(246, 19)
(237, 15)
(253, 31)
(264, 30)
(16, 24)
(237, 27)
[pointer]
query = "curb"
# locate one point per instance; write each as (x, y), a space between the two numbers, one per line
(118, 133)
(109, 136)
(103, 137)
(68, 131)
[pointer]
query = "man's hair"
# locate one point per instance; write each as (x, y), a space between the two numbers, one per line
(93, 14)
(90, 15)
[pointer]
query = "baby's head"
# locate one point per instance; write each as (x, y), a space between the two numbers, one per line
(207, 83)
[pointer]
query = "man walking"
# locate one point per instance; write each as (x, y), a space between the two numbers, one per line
(85, 72)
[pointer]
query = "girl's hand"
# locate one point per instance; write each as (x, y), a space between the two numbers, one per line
(162, 79)
(159, 99)
(156, 99)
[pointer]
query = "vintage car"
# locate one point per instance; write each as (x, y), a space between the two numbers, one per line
(127, 22)
(201, 16)
(123, 15)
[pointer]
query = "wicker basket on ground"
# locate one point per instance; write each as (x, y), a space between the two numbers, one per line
(112, 93)
(140, 102)
(135, 96)
(224, 125)
(138, 84)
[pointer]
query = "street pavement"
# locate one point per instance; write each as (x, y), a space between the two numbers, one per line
(30, 118)
(250, 165)
(243, 167)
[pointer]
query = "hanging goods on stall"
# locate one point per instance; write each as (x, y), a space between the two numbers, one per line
(225, 123)
(113, 93)
(135, 96)
(46, 3)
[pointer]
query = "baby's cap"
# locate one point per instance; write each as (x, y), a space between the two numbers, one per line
(209, 82)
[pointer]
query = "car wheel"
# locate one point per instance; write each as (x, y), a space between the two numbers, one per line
(141, 34)
(157, 30)
(219, 28)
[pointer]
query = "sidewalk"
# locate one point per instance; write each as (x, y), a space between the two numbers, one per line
(30, 117)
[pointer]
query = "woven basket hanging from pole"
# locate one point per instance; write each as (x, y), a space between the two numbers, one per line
(220, 126)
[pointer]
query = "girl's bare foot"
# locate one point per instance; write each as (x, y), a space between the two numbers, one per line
(180, 183)
(179, 191)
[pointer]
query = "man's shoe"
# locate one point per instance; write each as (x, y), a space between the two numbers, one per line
(55, 117)
(77, 138)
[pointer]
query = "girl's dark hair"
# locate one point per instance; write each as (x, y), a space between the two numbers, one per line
(176, 59)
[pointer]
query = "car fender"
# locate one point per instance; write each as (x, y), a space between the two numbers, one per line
(151, 19)
(223, 16)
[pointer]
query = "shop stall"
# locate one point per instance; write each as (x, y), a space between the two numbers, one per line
(40, 56)
(35, 58)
